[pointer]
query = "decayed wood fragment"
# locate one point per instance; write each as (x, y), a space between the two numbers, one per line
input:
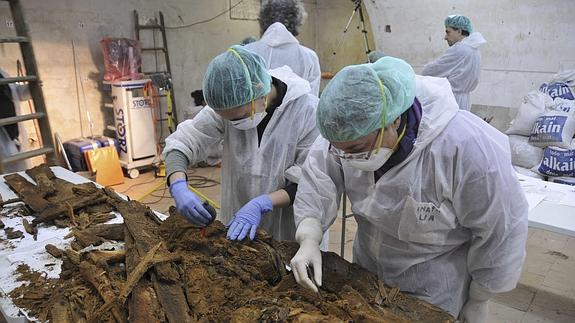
(98, 278)
(10, 201)
(43, 177)
(113, 231)
(73, 256)
(141, 222)
(26, 191)
(60, 209)
(150, 259)
(13, 234)
(105, 258)
(53, 250)
(49, 199)
(173, 300)
(143, 304)
(30, 228)
(60, 312)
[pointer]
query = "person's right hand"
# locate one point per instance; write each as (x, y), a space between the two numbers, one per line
(308, 255)
(189, 204)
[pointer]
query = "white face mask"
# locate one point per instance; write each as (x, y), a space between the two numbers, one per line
(249, 122)
(375, 161)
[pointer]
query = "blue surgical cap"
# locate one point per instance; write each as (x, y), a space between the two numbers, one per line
(459, 22)
(234, 78)
(363, 98)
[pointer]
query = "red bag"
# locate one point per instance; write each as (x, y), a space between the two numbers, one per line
(122, 58)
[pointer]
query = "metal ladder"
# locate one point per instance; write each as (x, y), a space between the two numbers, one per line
(33, 80)
(164, 49)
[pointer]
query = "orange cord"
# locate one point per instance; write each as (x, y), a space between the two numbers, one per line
(151, 94)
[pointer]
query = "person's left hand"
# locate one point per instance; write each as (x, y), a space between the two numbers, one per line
(248, 218)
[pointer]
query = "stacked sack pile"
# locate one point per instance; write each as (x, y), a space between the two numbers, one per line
(541, 135)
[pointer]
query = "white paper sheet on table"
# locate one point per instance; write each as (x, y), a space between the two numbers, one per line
(31, 252)
(553, 192)
(28, 251)
(534, 199)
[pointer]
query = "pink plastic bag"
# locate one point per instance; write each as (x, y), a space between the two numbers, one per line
(122, 58)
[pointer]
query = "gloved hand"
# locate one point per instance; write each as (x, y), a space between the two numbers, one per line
(475, 309)
(248, 218)
(309, 236)
(189, 204)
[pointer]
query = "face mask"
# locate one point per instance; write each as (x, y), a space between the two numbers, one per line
(249, 122)
(375, 161)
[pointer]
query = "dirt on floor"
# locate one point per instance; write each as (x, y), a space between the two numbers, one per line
(172, 271)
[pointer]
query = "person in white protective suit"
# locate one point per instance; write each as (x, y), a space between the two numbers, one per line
(13, 137)
(266, 121)
(461, 62)
(439, 209)
(279, 24)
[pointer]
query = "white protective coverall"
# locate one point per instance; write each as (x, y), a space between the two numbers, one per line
(278, 47)
(461, 65)
(452, 211)
(249, 169)
(8, 146)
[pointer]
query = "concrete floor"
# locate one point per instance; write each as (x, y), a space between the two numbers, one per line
(545, 293)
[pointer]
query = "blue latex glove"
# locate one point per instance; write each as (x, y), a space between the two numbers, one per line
(189, 204)
(248, 218)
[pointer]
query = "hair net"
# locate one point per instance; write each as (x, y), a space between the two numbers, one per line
(235, 78)
(289, 12)
(373, 56)
(248, 40)
(459, 22)
(362, 98)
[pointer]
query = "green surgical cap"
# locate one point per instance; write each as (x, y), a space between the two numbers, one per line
(248, 40)
(353, 105)
(459, 22)
(373, 56)
(234, 78)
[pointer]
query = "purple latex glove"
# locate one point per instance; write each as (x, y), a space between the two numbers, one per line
(248, 218)
(189, 204)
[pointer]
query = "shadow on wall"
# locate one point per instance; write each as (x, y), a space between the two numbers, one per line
(498, 117)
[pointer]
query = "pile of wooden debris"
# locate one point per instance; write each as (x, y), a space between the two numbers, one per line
(172, 271)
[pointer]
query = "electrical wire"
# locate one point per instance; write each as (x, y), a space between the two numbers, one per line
(199, 181)
(195, 181)
(134, 185)
(158, 200)
(202, 181)
(206, 20)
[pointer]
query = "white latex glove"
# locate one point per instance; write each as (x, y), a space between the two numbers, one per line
(475, 309)
(309, 236)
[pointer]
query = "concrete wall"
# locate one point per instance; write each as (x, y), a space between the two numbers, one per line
(72, 88)
(349, 48)
(56, 24)
(528, 40)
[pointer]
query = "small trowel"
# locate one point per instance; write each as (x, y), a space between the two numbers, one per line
(212, 212)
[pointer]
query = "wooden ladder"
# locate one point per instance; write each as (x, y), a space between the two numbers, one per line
(154, 26)
(40, 115)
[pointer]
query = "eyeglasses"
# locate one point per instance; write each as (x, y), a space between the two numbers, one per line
(365, 155)
(252, 110)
